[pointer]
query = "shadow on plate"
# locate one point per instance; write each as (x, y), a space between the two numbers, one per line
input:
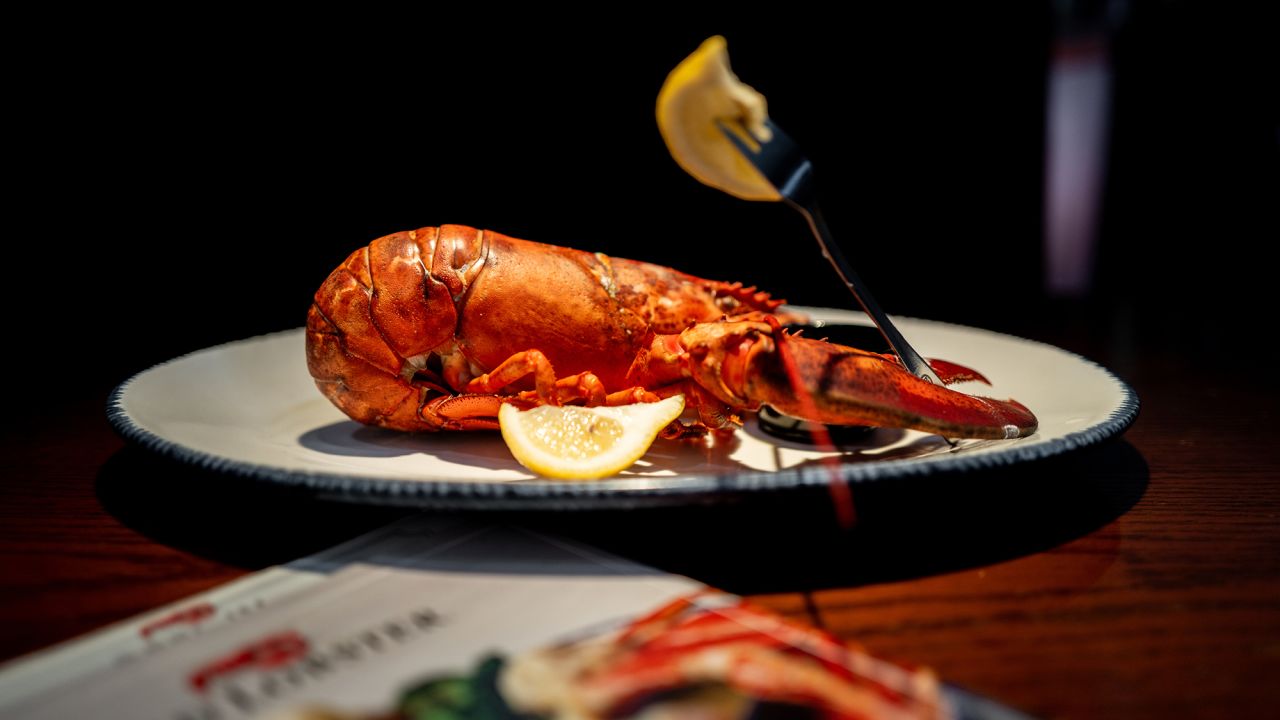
(486, 450)
(346, 438)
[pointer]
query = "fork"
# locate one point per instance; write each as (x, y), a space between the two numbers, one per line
(782, 163)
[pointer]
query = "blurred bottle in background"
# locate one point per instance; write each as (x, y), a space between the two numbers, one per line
(1161, 177)
(1077, 128)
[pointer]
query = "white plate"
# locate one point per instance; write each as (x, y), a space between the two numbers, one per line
(250, 408)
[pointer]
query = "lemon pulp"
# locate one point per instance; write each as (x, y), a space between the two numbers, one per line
(584, 443)
(572, 435)
(700, 91)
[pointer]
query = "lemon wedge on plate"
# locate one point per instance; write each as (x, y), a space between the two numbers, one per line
(584, 443)
(701, 90)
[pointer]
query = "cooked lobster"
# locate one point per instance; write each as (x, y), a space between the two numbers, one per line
(433, 329)
(714, 656)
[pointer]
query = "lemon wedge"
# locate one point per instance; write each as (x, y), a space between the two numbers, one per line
(701, 90)
(584, 443)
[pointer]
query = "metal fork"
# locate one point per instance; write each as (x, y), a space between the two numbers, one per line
(782, 163)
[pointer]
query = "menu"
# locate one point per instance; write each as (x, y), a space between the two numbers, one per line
(443, 617)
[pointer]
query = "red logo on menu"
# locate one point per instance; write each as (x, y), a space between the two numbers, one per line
(186, 616)
(268, 653)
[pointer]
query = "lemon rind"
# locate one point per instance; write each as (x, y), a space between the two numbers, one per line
(606, 464)
(695, 143)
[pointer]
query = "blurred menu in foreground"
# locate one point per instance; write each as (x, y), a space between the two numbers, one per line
(441, 618)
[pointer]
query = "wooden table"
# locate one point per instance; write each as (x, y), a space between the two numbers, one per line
(1136, 579)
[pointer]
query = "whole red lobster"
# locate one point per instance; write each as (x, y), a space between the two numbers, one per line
(433, 329)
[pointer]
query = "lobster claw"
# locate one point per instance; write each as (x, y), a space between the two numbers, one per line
(745, 364)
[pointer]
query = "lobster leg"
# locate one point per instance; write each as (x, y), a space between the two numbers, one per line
(516, 367)
(588, 388)
(550, 391)
(712, 413)
(463, 412)
(631, 396)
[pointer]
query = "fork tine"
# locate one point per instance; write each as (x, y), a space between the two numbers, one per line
(738, 142)
(779, 135)
(780, 161)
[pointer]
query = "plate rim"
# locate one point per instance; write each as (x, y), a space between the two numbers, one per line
(445, 493)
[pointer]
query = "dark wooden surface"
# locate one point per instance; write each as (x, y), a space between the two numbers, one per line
(181, 191)
(1140, 578)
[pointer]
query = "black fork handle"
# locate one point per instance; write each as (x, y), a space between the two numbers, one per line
(913, 361)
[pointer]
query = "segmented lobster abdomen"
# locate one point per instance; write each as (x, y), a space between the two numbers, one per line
(415, 315)
(375, 320)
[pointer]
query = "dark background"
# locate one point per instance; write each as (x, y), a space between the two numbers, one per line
(193, 184)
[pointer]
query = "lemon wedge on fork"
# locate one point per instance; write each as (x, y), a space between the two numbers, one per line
(700, 91)
(584, 443)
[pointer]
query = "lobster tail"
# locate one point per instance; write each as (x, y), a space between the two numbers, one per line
(378, 315)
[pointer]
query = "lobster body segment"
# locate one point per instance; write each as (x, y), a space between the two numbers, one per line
(559, 301)
(433, 329)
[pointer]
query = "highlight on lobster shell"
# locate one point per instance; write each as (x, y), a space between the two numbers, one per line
(435, 329)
